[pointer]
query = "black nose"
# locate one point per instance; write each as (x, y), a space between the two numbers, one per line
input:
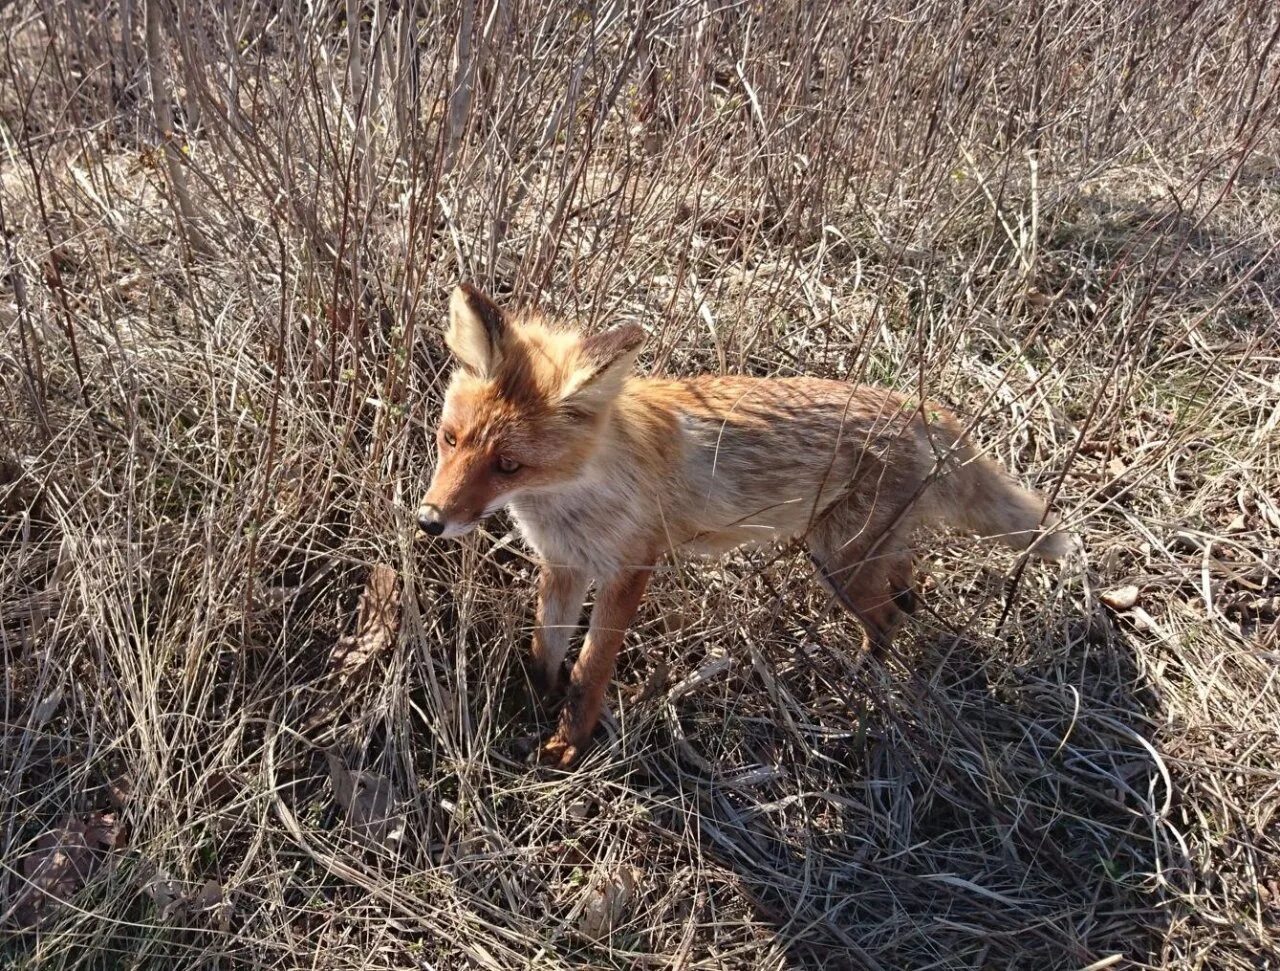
(430, 523)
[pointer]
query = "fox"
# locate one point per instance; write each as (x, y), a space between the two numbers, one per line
(605, 472)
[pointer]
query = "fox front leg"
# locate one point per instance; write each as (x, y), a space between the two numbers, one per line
(561, 591)
(616, 605)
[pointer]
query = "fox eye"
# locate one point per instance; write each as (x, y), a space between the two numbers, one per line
(450, 438)
(507, 466)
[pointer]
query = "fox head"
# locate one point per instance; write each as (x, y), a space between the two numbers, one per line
(524, 409)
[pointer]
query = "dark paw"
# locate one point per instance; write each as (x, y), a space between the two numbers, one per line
(875, 645)
(549, 688)
(524, 747)
(906, 600)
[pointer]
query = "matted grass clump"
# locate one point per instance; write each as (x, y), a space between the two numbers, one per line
(249, 720)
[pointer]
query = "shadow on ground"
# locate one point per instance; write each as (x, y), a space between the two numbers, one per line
(968, 804)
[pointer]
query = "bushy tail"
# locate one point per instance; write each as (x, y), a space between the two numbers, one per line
(978, 496)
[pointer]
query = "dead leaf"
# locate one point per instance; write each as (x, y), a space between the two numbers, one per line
(46, 708)
(1120, 598)
(608, 901)
(712, 669)
(209, 895)
(160, 886)
(377, 625)
(120, 790)
(103, 831)
(369, 800)
(175, 898)
(55, 870)
(654, 683)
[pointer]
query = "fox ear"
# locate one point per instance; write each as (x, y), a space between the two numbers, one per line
(477, 330)
(607, 359)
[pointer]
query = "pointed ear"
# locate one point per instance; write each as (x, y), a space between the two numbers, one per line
(607, 359)
(477, 330)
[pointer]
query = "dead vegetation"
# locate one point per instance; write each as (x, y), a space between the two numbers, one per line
(248, 720)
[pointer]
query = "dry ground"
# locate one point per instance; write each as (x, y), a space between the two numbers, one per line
(248, 720)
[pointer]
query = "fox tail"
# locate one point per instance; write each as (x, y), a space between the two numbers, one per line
(982, 498)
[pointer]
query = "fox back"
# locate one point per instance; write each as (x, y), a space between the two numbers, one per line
(600, 467)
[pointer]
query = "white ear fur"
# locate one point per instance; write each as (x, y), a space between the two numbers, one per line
(476, 330)
(608, 359)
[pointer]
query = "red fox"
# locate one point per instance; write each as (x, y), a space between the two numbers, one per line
(605, 472)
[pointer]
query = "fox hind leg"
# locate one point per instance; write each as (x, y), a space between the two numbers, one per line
(875, 586)
(902, 582)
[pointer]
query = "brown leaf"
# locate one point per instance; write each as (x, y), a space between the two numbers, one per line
(55, 870)
(653, 684)
(167, 892)
(120, 790)
(369, 800)
(212, 899)
(1120, 598)
(376, 628)
(608, 900)
(103, 831)
(208, 896)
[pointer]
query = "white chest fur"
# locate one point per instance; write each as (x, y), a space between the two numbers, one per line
(589, 526)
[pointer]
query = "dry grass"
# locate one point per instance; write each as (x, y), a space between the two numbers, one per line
(221, 351)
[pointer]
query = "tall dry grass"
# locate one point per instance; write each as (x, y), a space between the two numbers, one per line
(248, 720)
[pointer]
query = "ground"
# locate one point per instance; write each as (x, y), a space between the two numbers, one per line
(250, 719)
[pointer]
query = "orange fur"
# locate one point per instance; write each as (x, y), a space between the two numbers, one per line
(606, 472)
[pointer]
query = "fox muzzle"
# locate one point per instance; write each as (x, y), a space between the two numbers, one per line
(430, 520)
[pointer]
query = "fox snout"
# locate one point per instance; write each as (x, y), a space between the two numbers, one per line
(431, 521)
(434, 521)
(439, 519)
(462, 492)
